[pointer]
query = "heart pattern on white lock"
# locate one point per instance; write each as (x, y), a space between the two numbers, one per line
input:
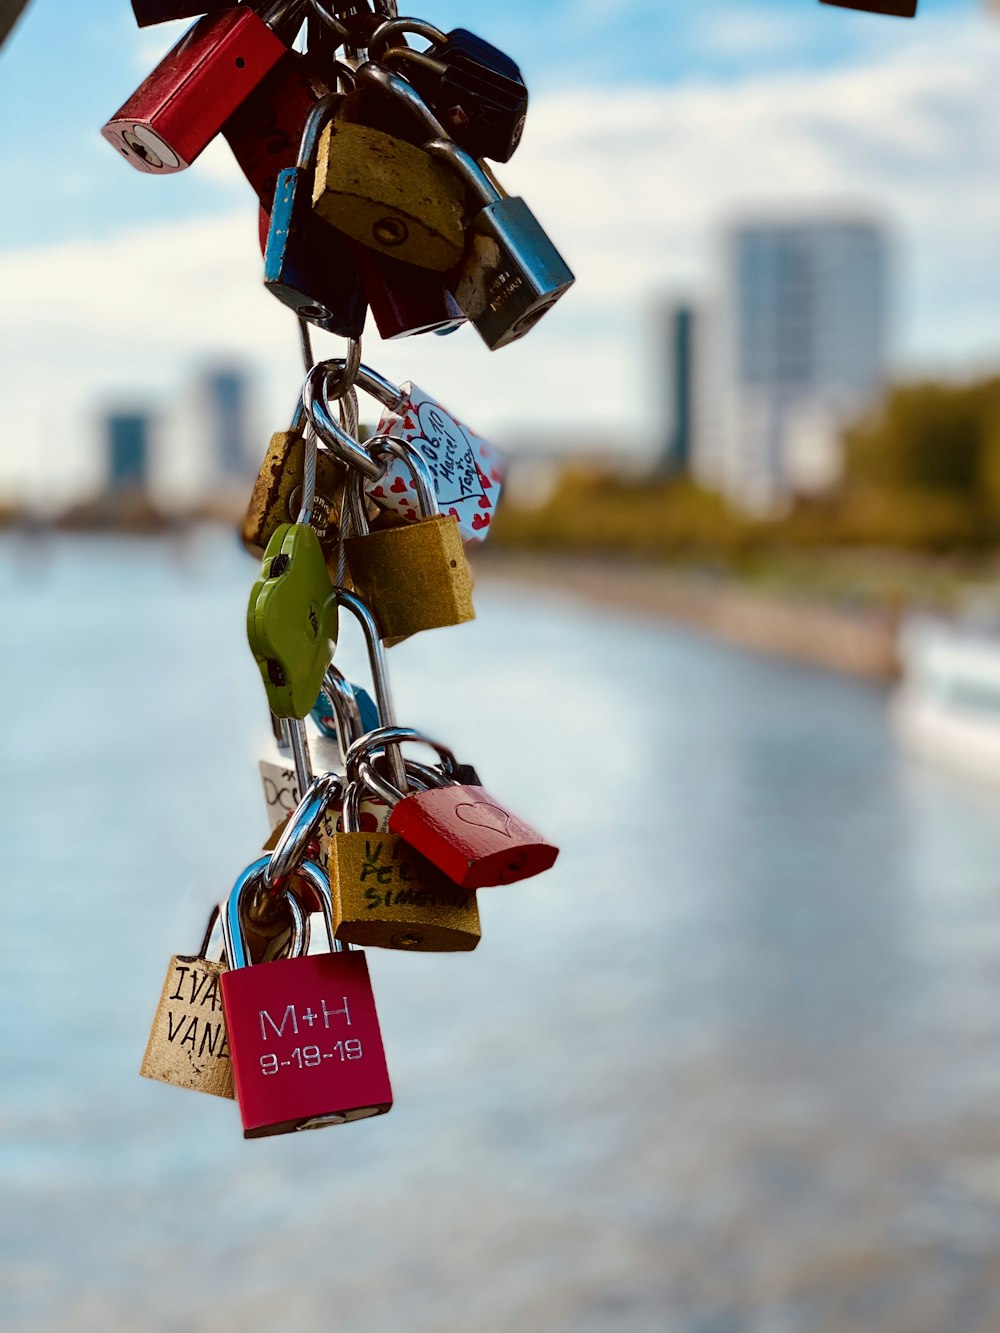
(467, 471)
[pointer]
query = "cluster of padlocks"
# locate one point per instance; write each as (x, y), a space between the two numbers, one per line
(366, 202)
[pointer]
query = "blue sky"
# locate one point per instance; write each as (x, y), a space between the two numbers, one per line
(652, 123)
(71, 63)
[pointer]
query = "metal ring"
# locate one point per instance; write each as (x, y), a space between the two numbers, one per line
(331, 21)
(389, 737)
(406, 55)
(300, 830)
(421, 777)
(315, 403)
(400, 28)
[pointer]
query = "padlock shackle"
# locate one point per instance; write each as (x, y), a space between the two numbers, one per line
(384, 34)
(472, 172)
(380, 677)
(280, 11)
(405, 55)
(289, 852)
(408, 453)
(233, 932)
(344, 703)
(317, 408)
(403, 92)
(209, 932)
(316, 122)
(389, 737)
(421, 776)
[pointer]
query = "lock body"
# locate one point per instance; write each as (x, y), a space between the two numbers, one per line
(308, 265)
(511, 273)
(188, 1045)
(385, 895)
(292, 620)
(903, 9)
(405, 300)
(264, 132)
(466, 469)
(471, 836)
(478, 94)
(305, 1042)
(277, 494)
(389, 195)
(413, 577)
(148, 12)
(180, 108)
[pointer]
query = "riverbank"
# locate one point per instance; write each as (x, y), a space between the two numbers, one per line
(853, 641)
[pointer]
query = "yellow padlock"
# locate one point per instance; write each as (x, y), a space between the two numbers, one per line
(390, 195)
(387, 896)
(414, 576)
(277, 492)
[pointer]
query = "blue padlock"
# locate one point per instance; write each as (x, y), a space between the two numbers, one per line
(307, 263)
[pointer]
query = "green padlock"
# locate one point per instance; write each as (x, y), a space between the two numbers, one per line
(292, 620)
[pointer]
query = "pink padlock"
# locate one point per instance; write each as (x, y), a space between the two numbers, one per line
(303, 1032)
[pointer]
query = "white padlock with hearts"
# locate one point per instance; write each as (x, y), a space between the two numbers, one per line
(467, 470)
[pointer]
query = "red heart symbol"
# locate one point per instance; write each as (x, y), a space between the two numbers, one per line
(411, 514)
(413, 485)
(409, 423)
(453, 512)
(484, 502)
(485, 816)
(398, 486)
(497, 475)
(480, 521)
(379, 492)
(483, 451)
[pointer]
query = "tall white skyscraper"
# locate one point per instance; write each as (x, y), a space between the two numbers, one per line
(797, 346)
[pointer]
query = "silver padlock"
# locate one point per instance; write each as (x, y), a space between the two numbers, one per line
(510, 273)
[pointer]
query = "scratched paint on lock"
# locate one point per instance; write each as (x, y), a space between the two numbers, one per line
(188, 1045)
(467, 470)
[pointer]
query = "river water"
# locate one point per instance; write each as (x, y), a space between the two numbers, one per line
(733, 1066)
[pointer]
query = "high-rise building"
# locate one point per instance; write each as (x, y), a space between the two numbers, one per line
(127, 438)
(678, 442)
(224, 406)
(799, 345)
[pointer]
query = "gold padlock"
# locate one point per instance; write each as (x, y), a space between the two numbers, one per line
(414, 576)
(277, 492)
(188, 1045)
(387, 896)
(390, 195)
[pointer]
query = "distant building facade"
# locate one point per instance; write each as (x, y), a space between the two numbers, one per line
(798, 346)
(127, 436)
(679, 324)
(224, 407)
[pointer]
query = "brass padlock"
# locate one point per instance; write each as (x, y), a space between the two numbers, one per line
(385, 895)
(277, 492)
(188, 1045)
(390, 195)
(415, 576)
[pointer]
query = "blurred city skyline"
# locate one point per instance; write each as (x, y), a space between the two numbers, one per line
(651, 131)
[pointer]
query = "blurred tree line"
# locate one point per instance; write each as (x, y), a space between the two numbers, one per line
(921, 473)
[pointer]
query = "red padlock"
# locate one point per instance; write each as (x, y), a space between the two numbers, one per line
(180, 108)
(265, 131)
(303, 1032)
(461, 829)
(405, 300)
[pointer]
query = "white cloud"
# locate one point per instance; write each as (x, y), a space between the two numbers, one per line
(632, 186)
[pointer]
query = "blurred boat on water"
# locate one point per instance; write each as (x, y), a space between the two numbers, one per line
(946, 708)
